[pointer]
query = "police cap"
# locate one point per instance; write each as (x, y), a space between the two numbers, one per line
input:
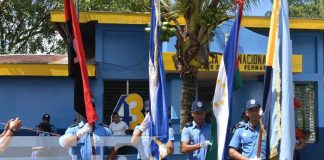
(252, 103)
(46, 116)
(198, 106)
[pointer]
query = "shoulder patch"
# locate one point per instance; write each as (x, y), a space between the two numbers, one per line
(240, 125)
(189, 125)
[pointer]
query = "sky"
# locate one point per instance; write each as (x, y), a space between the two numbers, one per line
(259, 9)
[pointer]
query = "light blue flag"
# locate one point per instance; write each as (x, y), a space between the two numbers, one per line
(287, 144)
(272, 87)
(159, 128)
(275, 128)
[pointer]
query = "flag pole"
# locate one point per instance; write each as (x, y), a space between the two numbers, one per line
(78, 117)
(261, 131)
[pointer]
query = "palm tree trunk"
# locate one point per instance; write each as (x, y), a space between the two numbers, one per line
(187, 97)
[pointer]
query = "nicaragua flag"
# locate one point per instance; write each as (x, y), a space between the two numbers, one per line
(222, 101)
(78, 65)
(272, 87)
(159, 128)
(287, 144)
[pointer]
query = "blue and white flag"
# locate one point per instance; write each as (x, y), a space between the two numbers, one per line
(222, 101)
(159, 128)
(287, 144)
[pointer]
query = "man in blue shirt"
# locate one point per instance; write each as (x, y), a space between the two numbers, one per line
(195, 136)
(246, 138)
(77, 138)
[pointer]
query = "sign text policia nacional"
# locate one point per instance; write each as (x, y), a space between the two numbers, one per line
(248, 62)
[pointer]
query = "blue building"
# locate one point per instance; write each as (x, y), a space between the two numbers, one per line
(118, 48)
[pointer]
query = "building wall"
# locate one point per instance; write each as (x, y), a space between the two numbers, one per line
(122, 51)
(30, 97)
(310, 45)
(121, 54)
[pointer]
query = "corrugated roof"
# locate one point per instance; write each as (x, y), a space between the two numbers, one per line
(33, 59)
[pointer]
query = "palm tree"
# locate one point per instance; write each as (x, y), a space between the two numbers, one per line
(193, 39)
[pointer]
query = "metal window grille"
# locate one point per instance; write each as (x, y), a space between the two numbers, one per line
(114, 89)
(306, 115)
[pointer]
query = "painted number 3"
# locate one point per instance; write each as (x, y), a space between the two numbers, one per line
(129, 108)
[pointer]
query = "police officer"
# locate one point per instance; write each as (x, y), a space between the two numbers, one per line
(77, 139)
(195, 136)
(246, 138)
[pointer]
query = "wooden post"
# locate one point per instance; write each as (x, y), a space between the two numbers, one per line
(260, 139)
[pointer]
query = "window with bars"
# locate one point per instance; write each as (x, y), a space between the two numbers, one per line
(113, 89)
(306, 115)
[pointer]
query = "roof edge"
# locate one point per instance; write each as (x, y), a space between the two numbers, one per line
(144, 18)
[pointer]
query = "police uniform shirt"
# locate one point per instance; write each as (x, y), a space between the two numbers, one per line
(145, 140)
(238, 125)
(83, 148)
(194, 135)
(246, 139)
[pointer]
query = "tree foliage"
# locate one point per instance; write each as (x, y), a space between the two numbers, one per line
(113, 5)
(305, 8)
(25, 27)
(116, 5)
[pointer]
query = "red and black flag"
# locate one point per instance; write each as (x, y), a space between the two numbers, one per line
(78, 65)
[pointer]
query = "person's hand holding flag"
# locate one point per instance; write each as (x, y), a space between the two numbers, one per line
(87, 128)
(255, 158)
(205, 144)
(163, 148)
